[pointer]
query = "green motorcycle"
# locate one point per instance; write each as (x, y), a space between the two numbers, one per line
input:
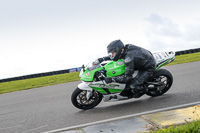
(93, 88)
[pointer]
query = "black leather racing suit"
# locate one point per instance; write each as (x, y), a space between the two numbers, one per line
(136, 58)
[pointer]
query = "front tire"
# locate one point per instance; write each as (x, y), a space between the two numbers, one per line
(165, 78)
(79, 99)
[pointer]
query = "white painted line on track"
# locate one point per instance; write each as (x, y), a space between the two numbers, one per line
(122, 117)
(6, 128)
(35, 129)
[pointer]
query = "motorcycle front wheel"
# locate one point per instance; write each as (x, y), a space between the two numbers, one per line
(79, 99)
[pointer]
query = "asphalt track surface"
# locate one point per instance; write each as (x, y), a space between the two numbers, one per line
(49, 108)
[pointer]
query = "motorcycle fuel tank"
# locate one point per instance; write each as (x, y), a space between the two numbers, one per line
(115, 68)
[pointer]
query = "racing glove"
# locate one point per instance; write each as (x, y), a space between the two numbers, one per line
(119, 79)
(123, 78)
(109, 80)
(98, 61)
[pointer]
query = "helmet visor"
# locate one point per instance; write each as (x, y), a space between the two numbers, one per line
(112, 55)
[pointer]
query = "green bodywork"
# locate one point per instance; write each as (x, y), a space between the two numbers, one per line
(88, 76)
(113, 68)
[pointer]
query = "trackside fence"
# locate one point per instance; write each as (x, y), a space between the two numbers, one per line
(76, 69)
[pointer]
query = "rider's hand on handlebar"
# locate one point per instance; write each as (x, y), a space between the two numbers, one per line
(108, 80)
(97, 61)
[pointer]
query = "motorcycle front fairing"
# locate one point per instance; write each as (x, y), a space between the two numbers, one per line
(112, 69)
(87, 74)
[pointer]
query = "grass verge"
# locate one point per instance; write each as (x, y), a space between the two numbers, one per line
(193, 127)
(37, 82)
(186, 58)
(68, 77)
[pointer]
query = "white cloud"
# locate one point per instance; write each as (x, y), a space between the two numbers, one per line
(165, 34)
(192, 32)
(162, 26)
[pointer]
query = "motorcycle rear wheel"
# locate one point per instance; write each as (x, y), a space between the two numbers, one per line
(165, 78)
(79, 99)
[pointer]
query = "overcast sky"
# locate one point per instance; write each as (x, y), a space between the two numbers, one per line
(48, 35)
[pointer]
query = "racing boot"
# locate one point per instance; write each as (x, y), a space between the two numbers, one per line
(126, 92)
(138, 90)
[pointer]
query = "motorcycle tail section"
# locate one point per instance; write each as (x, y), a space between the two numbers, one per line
(163, 58)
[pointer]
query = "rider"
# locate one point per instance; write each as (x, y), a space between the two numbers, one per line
(135, 58)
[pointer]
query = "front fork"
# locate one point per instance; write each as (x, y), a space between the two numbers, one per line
(84, 86)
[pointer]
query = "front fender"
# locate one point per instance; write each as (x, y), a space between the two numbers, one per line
(84, 86)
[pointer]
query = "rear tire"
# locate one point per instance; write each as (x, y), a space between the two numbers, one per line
(80, 101)
(165, 78)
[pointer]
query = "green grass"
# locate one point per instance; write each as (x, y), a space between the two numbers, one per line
(68, 77)
(186, 58)
(37, 82)
(193, 127)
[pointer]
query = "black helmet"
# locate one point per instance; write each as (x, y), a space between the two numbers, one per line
(115, 47)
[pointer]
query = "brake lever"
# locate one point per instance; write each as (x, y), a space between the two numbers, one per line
(102, 74)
